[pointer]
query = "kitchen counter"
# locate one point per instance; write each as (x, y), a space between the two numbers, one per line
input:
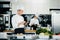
(27, 37)
(27, 31)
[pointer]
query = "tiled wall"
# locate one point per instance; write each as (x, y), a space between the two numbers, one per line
(35, 6)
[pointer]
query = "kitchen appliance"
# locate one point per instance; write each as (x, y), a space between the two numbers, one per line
(5, 12)
(55, 20)
(7, 20)
(2, 26)
(1, 19)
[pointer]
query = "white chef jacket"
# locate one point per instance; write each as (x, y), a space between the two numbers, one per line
(17, 19)
(34, 21)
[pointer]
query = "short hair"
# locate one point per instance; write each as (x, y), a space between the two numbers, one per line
(19, 10)
(33, 16)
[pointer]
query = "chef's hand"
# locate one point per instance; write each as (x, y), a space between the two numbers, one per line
(31, 24)
(25, 23)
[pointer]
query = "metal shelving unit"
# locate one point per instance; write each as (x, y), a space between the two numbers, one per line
(5, 11)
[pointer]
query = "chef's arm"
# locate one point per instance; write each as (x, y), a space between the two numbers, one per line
(14, 23)
(25, 23)
(21, 23)
(30, 23)
(37, 22)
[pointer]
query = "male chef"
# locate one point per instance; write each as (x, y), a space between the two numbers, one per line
(18, 22)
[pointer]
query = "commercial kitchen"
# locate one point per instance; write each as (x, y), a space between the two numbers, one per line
(29, 19)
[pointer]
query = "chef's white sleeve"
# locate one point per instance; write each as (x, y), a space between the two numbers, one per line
(14, 23)
(31, 22)
(37, 22)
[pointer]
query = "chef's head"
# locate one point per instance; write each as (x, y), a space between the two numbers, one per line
(35, 17)
(20, 11)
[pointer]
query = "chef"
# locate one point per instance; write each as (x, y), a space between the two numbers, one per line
(34, 22)
(18, 22)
